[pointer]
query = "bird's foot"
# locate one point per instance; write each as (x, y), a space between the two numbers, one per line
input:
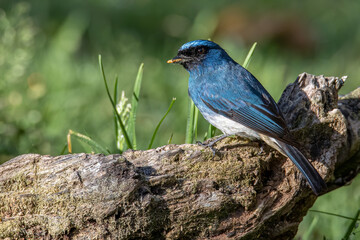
(212, 143)
(209, 145)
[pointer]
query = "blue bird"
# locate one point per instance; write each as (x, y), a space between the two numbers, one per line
(234, 101)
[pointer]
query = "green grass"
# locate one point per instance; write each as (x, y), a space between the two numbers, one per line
(352, 226)
(113, 104)
(336, 213)
(123, 119)
(190, 124)
(249, 55)
(96, 147)
(134, 105)
(159, 124)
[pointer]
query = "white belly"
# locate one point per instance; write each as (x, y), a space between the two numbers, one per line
(228, 126)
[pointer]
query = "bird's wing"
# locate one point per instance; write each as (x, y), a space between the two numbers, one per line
(248, 103)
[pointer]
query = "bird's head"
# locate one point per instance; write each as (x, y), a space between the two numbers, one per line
(198, 52)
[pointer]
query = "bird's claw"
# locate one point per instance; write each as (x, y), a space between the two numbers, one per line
(212, 143)
(200, 143)
(209, 145)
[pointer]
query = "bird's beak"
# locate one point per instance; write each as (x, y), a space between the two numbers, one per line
(176, 59)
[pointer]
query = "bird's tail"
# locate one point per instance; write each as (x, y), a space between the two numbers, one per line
(316, 182)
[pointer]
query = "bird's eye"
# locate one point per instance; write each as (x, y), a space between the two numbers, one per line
(201, 50)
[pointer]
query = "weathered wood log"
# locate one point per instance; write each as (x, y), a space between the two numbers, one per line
(182, 191)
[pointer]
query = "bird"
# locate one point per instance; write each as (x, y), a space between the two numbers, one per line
(230, 98)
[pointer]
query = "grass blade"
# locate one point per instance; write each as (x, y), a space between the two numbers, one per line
(63, 150)
(170, 139)
(210, 132)
(115, 118)
(134, 105)
(69, 145)
(196, 119)
(351, 226)
(127, 140)
(249, 55)
(308, 232)
(96, 147)
(334, 214)
(189, 138)
(158, 126)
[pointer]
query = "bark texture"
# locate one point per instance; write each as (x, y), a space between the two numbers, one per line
(182, 191)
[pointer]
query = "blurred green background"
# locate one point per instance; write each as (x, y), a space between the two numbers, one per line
(50, 80)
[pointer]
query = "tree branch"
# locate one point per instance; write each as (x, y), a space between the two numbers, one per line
(182, 191)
